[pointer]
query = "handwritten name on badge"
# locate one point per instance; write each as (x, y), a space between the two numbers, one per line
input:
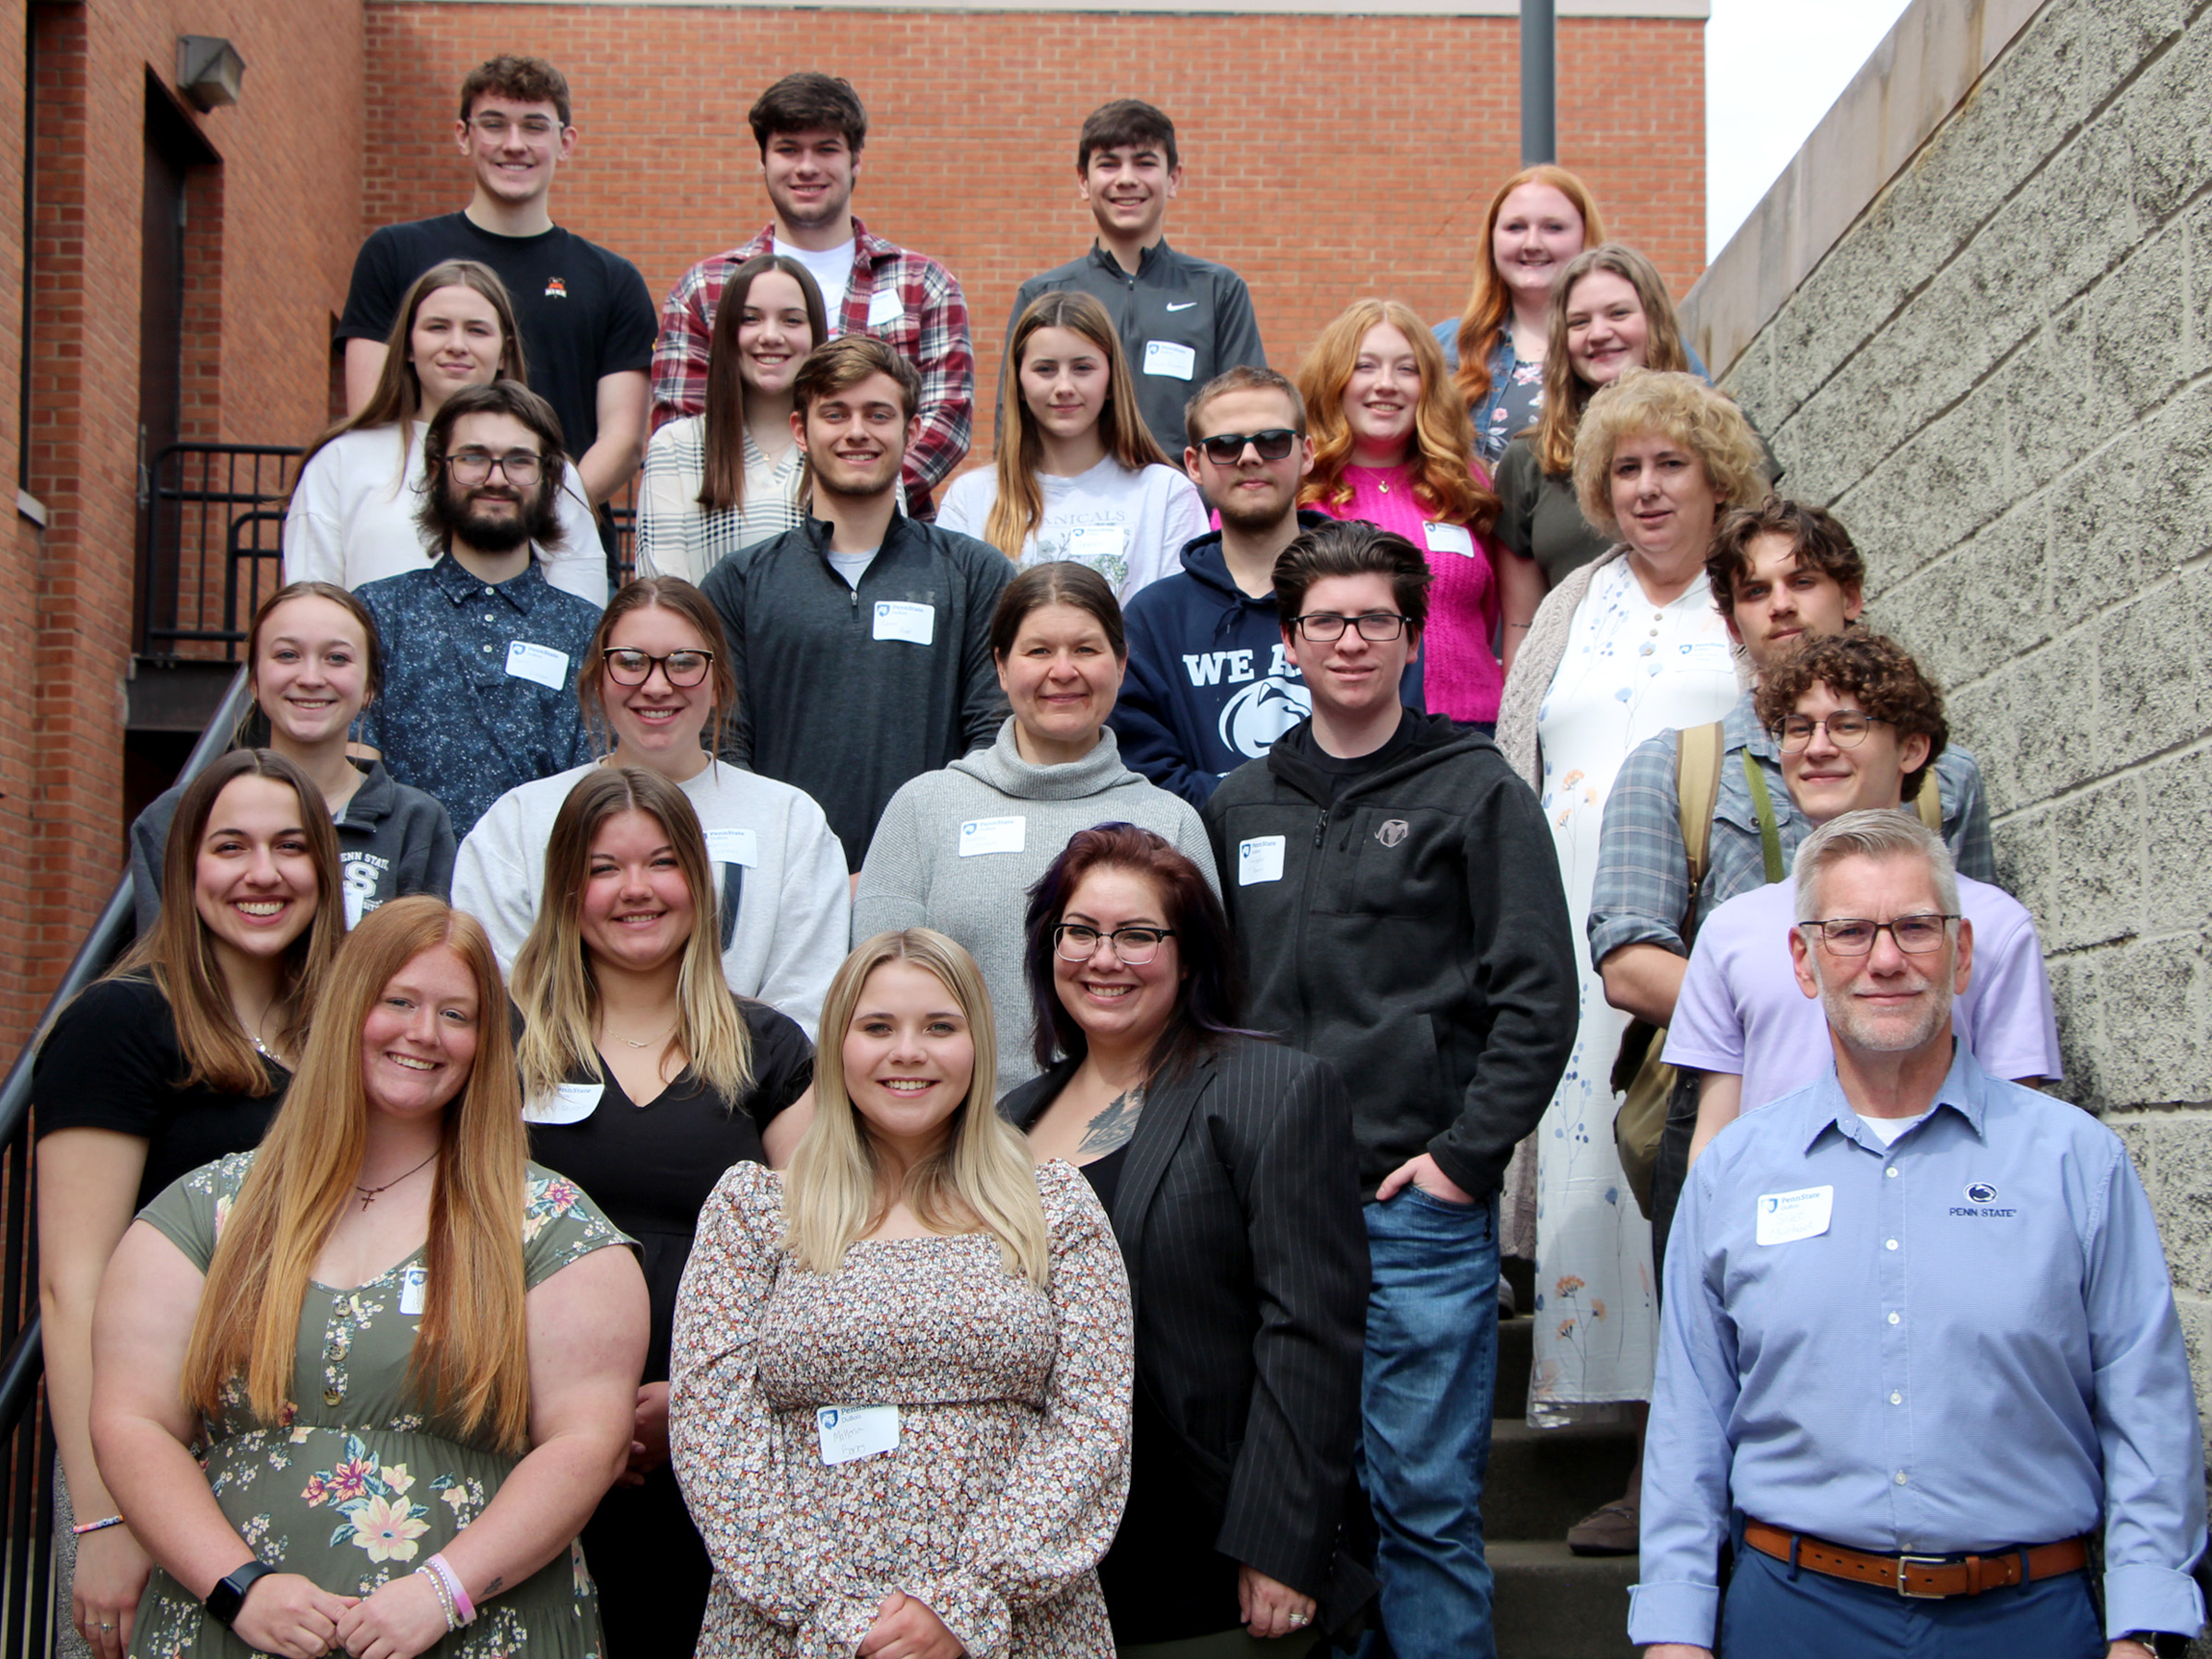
(852, 1431)
(734, 846)
(1450, 539)
(1165, 357)
(903, 619)
(1260, 859)
(540, 663)
(979, 836)
(885, 306)
(568, 1103)
(1785, 1217)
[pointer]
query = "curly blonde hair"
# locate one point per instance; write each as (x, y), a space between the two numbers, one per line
(1705, 422)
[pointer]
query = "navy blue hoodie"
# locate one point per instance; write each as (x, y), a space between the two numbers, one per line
(1207, 686)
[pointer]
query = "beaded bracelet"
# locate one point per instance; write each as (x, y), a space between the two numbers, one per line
(445, 1597)
(82, 1527)
(451, 1580)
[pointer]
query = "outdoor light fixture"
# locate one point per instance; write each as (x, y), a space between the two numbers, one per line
(208, 71)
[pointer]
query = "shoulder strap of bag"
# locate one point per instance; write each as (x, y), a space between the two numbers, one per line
(1696, 791)
(1929, 800)
(1770, 833)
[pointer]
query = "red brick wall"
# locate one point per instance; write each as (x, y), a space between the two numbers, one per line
(270, 242)
(1326, 156)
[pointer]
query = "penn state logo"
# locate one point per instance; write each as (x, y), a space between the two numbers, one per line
(1264, 710)
(1391, 831)
(1980, 1193)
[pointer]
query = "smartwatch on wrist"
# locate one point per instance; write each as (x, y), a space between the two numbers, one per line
(225, 1601)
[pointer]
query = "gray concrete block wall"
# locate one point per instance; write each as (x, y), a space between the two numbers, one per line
(2000, 377)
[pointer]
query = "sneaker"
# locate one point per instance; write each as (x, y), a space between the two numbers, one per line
(1505, 1286)
(1608, 1530)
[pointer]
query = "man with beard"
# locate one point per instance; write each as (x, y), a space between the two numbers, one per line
(1209, 684)
(861, 639)
(1919, 1339)
(480, 650)
(810, 128)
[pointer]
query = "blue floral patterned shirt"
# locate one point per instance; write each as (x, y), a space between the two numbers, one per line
(479, 683)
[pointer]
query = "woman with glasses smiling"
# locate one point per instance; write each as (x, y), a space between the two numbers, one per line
(1227, 1165)
(656, 684)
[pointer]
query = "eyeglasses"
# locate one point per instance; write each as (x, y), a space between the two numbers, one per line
(1376, 627)
(1133, 947)
(1846, 728)
(1226, 449)
(474, 466)
(627, 667)
(1854, 935)
(496, 127)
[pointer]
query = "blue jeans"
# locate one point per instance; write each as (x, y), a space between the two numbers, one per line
(1425, 1396)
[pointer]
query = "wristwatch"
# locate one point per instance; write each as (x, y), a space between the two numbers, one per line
(229, 1596)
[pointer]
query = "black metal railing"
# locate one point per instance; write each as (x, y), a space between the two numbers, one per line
(213, 521)
(27, 1609)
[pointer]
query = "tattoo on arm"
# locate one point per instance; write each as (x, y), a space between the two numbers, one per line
(1113, 1126)
(496, 1585)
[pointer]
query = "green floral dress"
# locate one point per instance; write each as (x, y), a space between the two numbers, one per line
(354, 1488)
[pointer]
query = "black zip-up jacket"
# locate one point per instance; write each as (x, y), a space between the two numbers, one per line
(1416, 939)
(835, 696)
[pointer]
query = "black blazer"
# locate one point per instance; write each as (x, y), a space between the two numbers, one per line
(1237, 1214)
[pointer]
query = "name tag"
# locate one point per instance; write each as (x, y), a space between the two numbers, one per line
(1165, 357)
(1098, 541)
(852, 1431)
(1260, 859)
(903, 619)
(1450, 539)
(979, 836)
(413, 1292)
(540, 663)
(1785, 1217)
(885, 306)
(568, 1103)
(734, 846)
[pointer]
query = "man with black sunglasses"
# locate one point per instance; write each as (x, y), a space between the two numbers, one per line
(1209, 684)
(1398, 913)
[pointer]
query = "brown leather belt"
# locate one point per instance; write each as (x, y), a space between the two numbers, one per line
(1922, 1578)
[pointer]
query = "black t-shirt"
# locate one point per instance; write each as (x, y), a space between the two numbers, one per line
(652, 1168)
(1342, 770)
(585, 312)
(111, 1062)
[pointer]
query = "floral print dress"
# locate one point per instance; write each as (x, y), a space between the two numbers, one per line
(356, 1487)
(1011, 1464)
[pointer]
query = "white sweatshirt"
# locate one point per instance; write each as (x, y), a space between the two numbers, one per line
(1130, 527)
(352, 518)
(795, 901)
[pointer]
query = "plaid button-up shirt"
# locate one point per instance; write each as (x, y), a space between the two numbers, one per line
(1643, 883)
(930, 331)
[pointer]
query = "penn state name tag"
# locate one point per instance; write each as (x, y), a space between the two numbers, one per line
(1449, 539)
(903, 619)
(734, 847)
(979, 836)
(542, 663)
(568, 1103)
(1169, 358)
(1260, 859)
(413, 1292)
(1785, 1217)
(885, 306)
(848, 1432)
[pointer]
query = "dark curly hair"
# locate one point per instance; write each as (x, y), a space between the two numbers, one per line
(1876, 670)
(1822, 544)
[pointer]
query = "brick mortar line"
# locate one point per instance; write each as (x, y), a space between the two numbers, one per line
(2077, 953)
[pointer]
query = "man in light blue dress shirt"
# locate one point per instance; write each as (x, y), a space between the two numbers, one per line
(1919, 1340)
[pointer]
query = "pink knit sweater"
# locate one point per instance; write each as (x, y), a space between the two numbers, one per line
(1460, 676)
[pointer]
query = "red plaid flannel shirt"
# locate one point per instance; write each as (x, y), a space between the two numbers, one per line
(930, 331)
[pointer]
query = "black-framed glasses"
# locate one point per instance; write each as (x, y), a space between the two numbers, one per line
(1378, 627)
(1854, 936)
(628, 668)
(1132, 947)
(1226, 449)
(474, 466)
(1846, 728)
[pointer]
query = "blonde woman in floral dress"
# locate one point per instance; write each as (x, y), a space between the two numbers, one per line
(901, 1398)
(360, 1389)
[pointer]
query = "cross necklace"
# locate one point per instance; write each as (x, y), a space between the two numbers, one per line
(369, 1194)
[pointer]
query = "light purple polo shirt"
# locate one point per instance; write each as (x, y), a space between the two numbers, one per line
(1741, 1011)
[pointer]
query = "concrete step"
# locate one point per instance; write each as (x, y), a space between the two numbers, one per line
(1542, 1481)
(1553, 1604)
(1516, 1347)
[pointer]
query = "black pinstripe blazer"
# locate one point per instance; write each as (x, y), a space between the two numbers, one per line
(1239, 1218)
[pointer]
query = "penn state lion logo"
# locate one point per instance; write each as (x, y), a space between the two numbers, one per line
(1982, 1193)
(1264, 710)
(1391, 831)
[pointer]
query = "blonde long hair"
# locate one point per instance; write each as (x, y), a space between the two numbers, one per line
(980, 1178)
(554, 985)
(1490, 301)
(1567, 393)
(1443, 451)
(471, 1357)
(1019, 508)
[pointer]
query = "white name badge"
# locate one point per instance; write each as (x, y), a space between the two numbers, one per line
(1260, 859)
(903, 619)
(979, 836)
(1450, 539)
(851, 1432)
(568, 1103)
(413, 1292)
(885, 306)
(1785, 1217)
(1098, 541)
(734, 846)
(539, 662)
(1165, 357)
